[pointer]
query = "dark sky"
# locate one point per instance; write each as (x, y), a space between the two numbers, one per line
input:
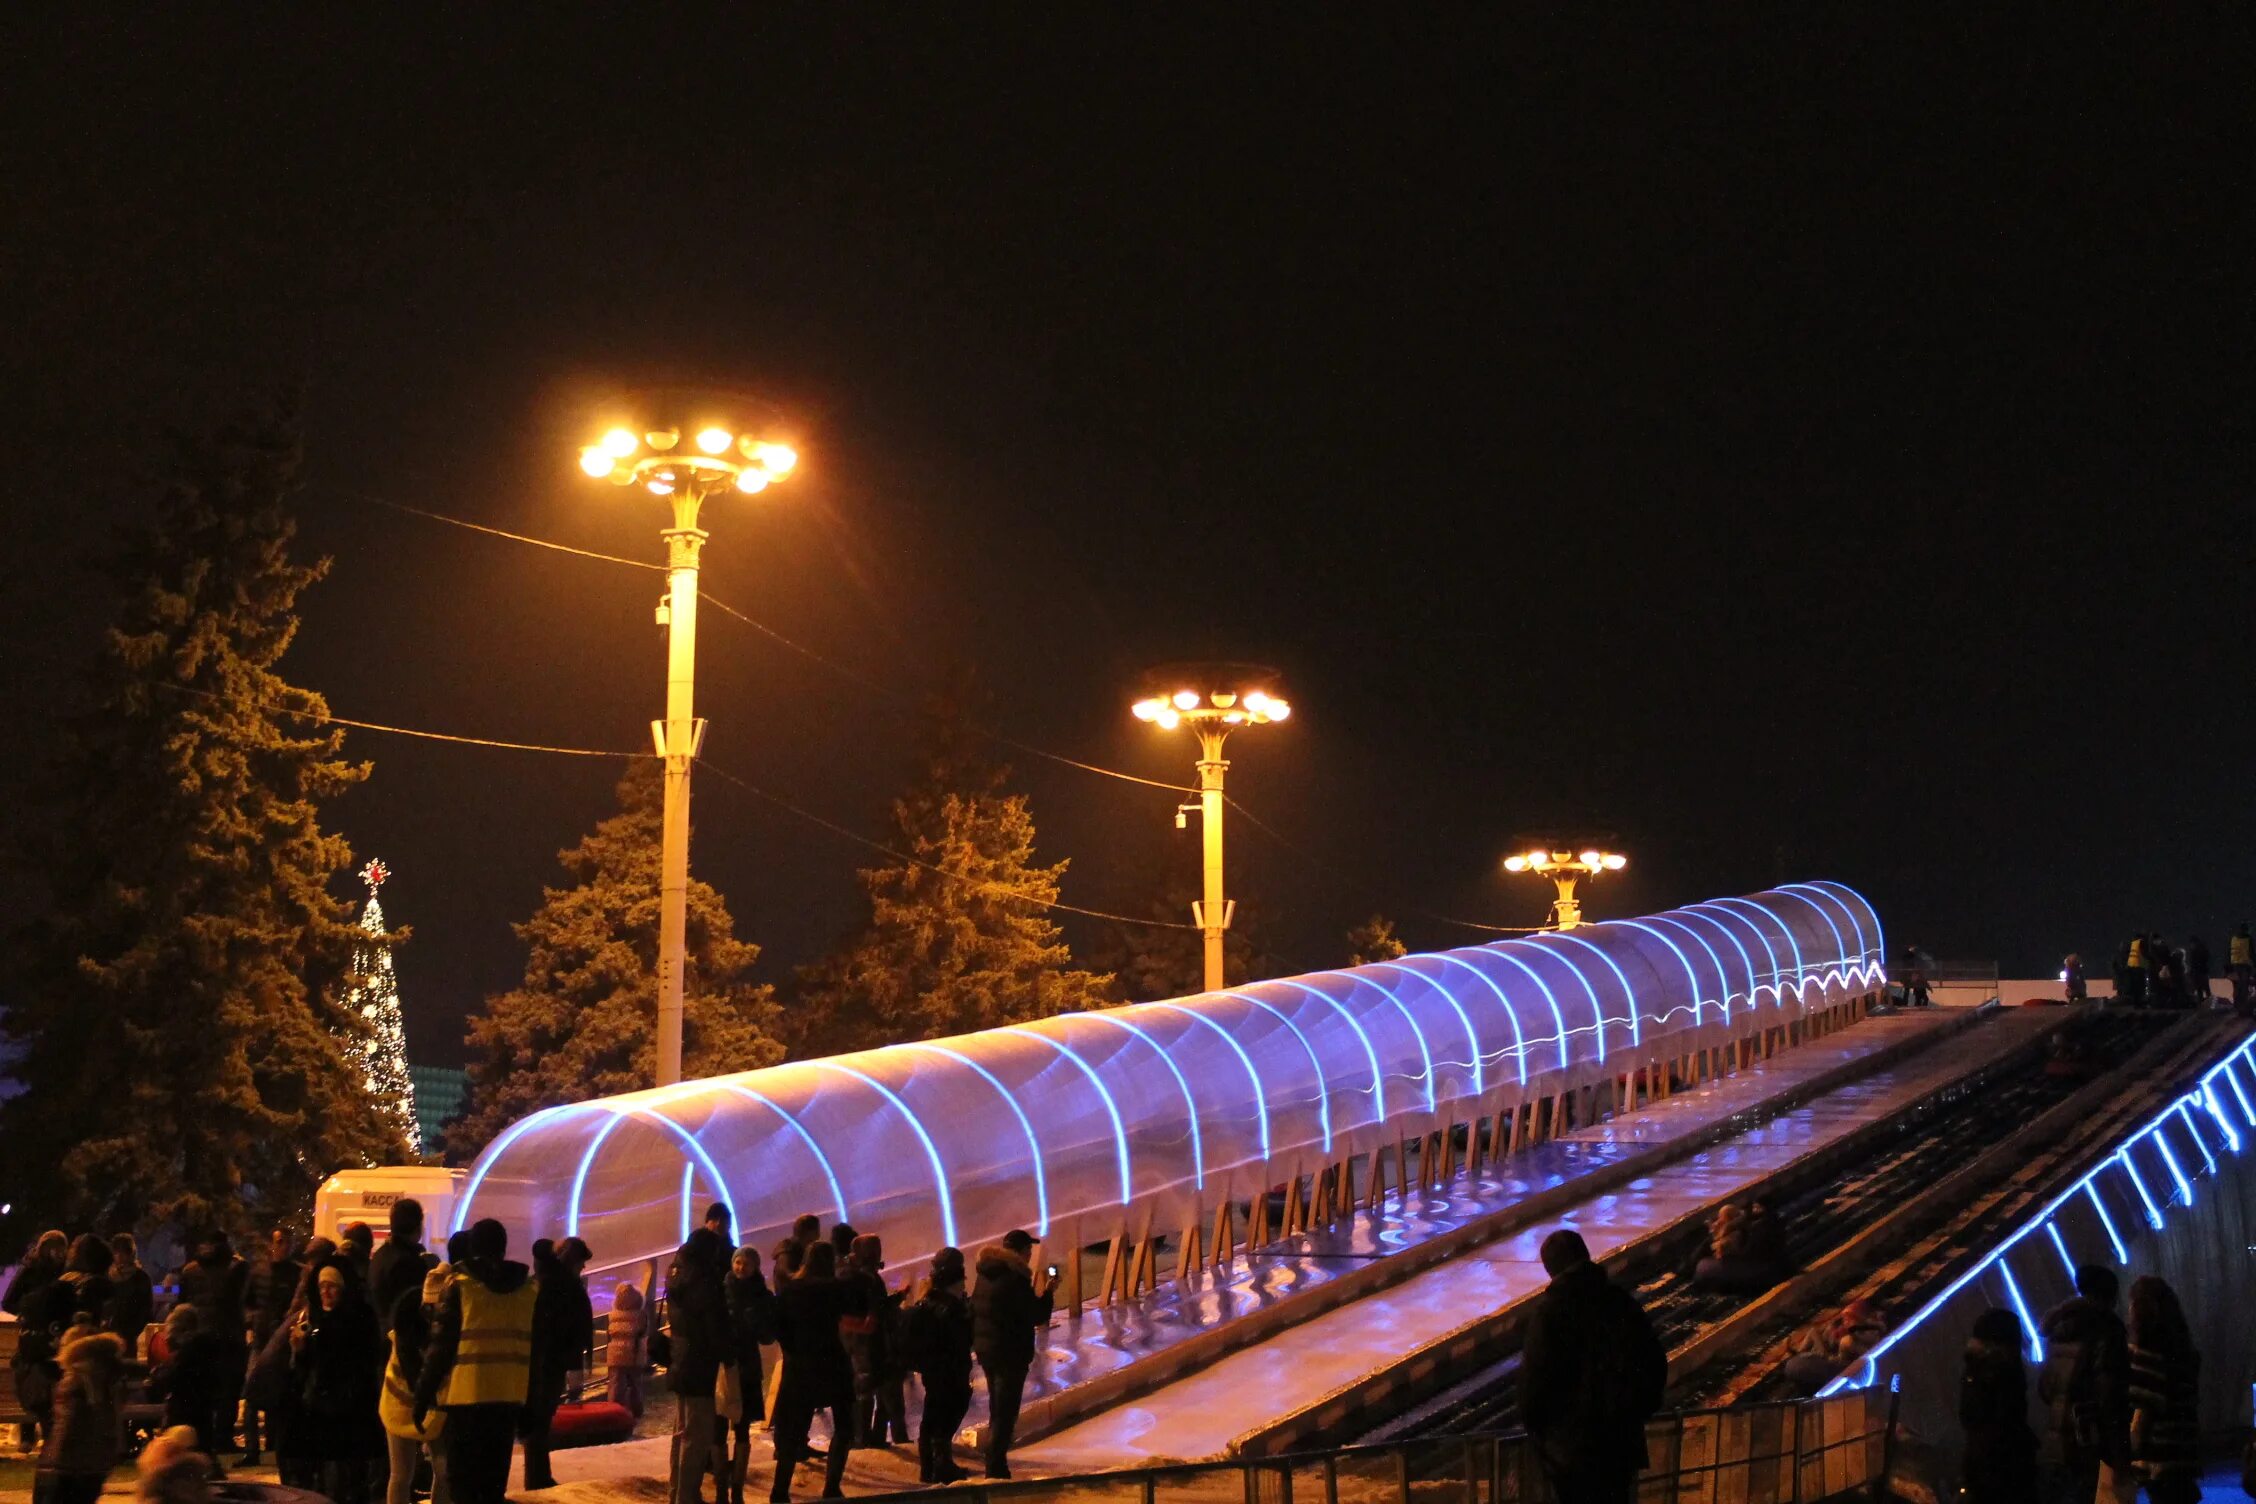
(1817, 447)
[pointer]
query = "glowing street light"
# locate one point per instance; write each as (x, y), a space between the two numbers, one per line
(716, 460)
(1213, 699)
(1565, 868)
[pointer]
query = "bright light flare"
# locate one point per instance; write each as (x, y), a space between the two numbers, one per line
(1257, 701)
(1616, 863)
(715, 440)
(1186, 699)
(662, 439)
(1515, 864)
(1593, 858)
(660, 485)
(1276, 710)
(776, 459)
(597, 461)
(1147, 710)
(619, 443)
(1169, 719)
(751, 482)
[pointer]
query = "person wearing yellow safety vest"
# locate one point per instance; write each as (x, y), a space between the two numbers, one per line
(2240, 963)
(2133, 967)
(410, 1321)
(480, 1364)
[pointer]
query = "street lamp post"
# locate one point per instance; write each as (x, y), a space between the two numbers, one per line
(1244, 698)
(717, 460)
(1564, 868)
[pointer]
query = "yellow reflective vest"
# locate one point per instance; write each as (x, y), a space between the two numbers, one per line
(2243, 951)
(493, 1359)
(395, 1407)
(2137, 960)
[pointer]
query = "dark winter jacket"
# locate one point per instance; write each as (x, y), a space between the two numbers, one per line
(64, 1298)
(1591, 1374)
(697, 1321)
(1993, 1407)
(751, 1315)
(337, 1375)
(808, 1312)
(190, 1380)
(503, 1277)
(1005, 1311)
(34, 1275)
(133, 1300)
(410, 1325)
(563, 1325)
(2165, 1413)
(873, 1343)
(277, 1288)
(2085, 1383)
(218, 1290)
(86, 1434)
(937, 1336)
(396, 1269)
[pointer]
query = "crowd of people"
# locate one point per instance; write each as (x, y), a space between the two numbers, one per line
(386, 1369)
(2151, 972)
(2120, 1400)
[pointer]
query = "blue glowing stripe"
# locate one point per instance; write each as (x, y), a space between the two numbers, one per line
(2091, 1189)
(1361, 976)
(1681, 959)
(1745, 960)
(1847, 912)
(1378, 1078)
(1558, 1019)
(1723, 978)
(1104, 1094)
(1879, 934)
(1190, 1103)
(1597, 1008)
(1777, 995)
(2234, 1082)
(1519, 1042)
(2028, 1322)
(1033, 1144)
(689, 1183)
(2198, 1142)
(1629, 993)
(1785, 929)
(1323, 1086)
(1472, 1036)
(931, 1152)
(579, 1176)
(492, 1156)
(837, 1195)
(2153, 1212)
(1840, 943)
(1260, 1096)
(2216, 1106)
(2052, 1229)
(2162, 1142)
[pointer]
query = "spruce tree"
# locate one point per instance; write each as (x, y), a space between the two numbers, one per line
(584, 1022)
(1167, 959)
(959, 938)
(178, 1005)
(1374, 940)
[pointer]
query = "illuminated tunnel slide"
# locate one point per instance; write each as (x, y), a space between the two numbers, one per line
(1169, 1108)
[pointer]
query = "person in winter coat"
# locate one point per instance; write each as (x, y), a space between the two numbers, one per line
(936, 1332)
(171, 1471)
(217, 1284)
(334, 1365)
(1591, 1375)
(478, 1366)
(273, 1286)
(1008, 1308)
(87, 1435)
(563, 1324)
(2165, 1394)
(880, 1408)
(698, 1328)
(42, 1263)
(404, 1440)
(397, 1268)
(33, 1365)
(133, 1295)
(1993, 1407)
(2085, 1386)
(751, 1318)
(817, 1375)
(1826, 1348)
(626, 1339)
(191, 1377)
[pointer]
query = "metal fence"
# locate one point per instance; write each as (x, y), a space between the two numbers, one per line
(1789, 1452)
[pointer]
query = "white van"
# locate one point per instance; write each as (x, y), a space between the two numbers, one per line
(369, 1195)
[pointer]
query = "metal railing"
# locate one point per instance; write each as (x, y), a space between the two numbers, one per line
(1785, 1452)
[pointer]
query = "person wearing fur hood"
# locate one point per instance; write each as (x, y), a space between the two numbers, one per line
(1008, 1307)
(88, 1433)
(171, 1471)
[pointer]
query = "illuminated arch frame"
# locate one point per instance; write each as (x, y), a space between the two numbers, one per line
(1104, 1094)
(1472, 1036)
(1190, 1102)
(1597, 1008)
(1550, 998)
(1629, 992)
(1356, 978)
(931, 1150)
(1378, 1078)
(1840, 941)
(837, 1192)
(1033, 1143)
(1784, 928)
(1753, 1002)
(1770, 952)
(1681, 959)
(1519, 1040)
(1803, 890)
(1260, 1094)
(1723, 978)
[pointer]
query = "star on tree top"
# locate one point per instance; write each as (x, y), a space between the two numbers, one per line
(375, 873)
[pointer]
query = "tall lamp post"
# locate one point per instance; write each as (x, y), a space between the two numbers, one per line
(717, 459)
(1565, 868)
(1213, 700)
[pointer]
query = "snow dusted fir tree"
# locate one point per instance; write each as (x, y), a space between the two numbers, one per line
(373, 992)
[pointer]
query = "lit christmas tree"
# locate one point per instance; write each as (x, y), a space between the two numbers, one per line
(382, 1055)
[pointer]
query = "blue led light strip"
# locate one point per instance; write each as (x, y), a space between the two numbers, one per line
(1879, 931)
(1551, 1000)
(1260, 1096)
(1681, 959)
(1863, 953)
(2053, 1229)
(1472, 1035)
(1597, 1008)
(1378, 1078)
(1033, 1142)
(931, 1151)
(1424, 1052)
(492, 1156)
(1104, 1094)
(1777, 997)
(1519, 1043)
(1723, 978)
(837, 1195)
(1745, 960)
(1778, 984)
(1323, 1086)
(1190, 1103)
(1629, 993)
(1840, 943)
(580, 1175)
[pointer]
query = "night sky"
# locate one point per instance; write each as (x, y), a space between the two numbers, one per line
(1809, 448)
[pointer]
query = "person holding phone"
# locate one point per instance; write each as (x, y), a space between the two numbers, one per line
(1008, 1307)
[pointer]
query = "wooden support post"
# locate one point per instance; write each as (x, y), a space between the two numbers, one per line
(1257, 1222)
(1295, 1209)
(1112, 1269)
(1225, 1231)
(1143, 1273)
(1320, 1197)
(1190, 1248)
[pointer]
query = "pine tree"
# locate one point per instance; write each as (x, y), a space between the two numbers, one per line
(584, 1023)
(379, 1048)
(1374, 940)
(1153, 962)
(959, 938)
(178, 1005)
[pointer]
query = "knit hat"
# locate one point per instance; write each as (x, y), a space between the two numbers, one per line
(331, 1274)
(435, 1283)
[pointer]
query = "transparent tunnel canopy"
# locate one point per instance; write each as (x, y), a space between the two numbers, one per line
(1060, 1126)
